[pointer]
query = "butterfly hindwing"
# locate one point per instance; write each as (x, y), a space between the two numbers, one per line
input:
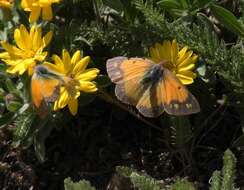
(177, 100)
(44, 90)
(150, 104)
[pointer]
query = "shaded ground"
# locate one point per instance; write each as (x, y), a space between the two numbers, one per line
(93, 144)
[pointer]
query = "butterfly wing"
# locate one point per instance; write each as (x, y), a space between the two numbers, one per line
(44, 90)
(177, 100)
(150, 104)
(127, 74)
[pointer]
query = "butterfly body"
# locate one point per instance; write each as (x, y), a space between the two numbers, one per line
(45, 87)
(150, 87)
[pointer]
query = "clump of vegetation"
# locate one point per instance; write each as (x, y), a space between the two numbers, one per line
(60, 116)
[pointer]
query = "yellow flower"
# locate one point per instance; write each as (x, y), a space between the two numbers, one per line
(180, 62)
(29, 49)
(76, 79)
(38, 7)
(6, 3)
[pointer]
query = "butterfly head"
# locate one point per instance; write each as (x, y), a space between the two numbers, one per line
(45, 73)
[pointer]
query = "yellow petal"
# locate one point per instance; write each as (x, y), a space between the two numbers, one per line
(186, 67)
(21, 67)
(4, 55)
(34, 15)
(47, 38)
(55, 106)
(44, 3)
(186, 61)
(184, 80)
(37, 38)
(66, 60)
(25, 4)
(87, 86)
(75, 58)
(19, 40)
(73, 106)
(53, 67)
(32, 31)
(64, 98)
(25, 37)
(154, 52)
(58, 61)
(47, 13)
(81, 65)
(181, 55)
(189, 74)
(167, 50)
(87, 75)
(41, 56)
(12, 50)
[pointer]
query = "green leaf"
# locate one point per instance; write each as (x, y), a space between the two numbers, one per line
(183, 184)
(13, 106)
(23, 128)
(228, 19)
(80, 185)
(114, 4)
(144, 182)
(10, 86)
(184, 4)
(203, 3)
(39, 139)
(228, 171)
(180, 131)
(215, 182)
(169, 4)
(204, 20)
(10, 116)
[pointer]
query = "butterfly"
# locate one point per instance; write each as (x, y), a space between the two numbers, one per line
(150, 87)
(45, 88)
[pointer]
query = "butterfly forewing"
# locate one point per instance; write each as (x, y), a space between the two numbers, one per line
(128, 74)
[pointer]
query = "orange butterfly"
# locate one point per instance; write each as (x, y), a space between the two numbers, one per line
(150, 87)
(45, 87)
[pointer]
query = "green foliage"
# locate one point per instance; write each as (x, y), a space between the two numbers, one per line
(216, 180)
(143, 182)
(80, 185)
(108, 28)
(225, 179)
(182, 184)
(228, 19)
(24, 124)
(180, 131)
(228, 63)
(140, 181)
(229, 170)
